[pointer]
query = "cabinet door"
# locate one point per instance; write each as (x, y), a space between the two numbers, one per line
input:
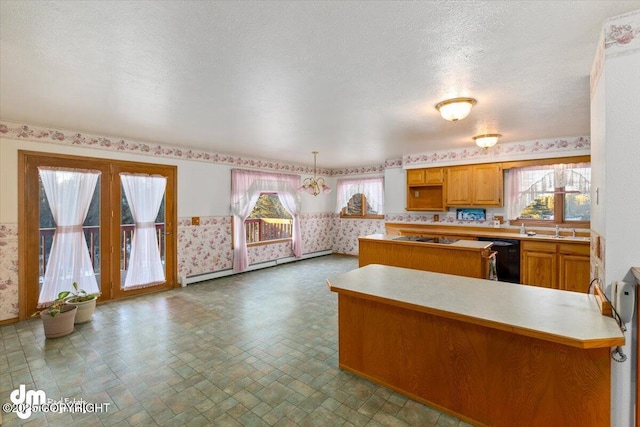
(434, 176)
(539, 269)
(574, 272)
(487, 185)
(459, 186)
(415, 176)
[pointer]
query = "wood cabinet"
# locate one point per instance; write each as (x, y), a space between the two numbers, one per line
(459, 186)
(574, 269)
(538, 264)
(474, 185)
(425, 189)
(465, 259)
(563, 266)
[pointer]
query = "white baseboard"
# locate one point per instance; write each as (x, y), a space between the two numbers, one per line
(187, 280)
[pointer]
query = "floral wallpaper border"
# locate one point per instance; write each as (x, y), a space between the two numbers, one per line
(529, 149)
(508, 151)
(62, 137)
(620, 35)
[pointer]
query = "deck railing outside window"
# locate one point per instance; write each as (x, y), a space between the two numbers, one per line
(263, 229)
(91, 235)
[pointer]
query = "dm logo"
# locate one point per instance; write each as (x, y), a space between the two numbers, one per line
(25, 400)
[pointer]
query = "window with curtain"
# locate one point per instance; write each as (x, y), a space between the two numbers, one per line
(551, 194)
(246, 188)
(268, 221)
(360, 197)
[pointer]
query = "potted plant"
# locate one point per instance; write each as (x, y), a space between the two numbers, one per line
(59, 317)
(85, 302)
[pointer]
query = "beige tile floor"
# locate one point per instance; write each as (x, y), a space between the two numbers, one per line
(254, 349)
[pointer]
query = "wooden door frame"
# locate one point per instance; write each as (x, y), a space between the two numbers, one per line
(28, 192)
(170, 223)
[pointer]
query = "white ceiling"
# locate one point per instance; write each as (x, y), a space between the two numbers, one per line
(357, 81)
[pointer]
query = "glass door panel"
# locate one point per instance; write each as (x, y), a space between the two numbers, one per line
(149, 266)
(47, 230)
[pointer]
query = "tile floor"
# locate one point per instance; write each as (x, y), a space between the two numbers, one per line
(254, 349)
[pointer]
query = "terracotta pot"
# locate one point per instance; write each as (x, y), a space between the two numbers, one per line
(61, 324)
(85, 310)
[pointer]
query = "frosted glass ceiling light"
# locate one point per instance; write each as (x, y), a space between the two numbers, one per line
(455, 109)
(315, 185)
(486, 141)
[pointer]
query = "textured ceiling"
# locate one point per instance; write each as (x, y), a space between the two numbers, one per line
(357, 81)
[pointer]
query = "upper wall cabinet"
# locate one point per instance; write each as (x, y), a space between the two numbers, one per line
(474, 185)
(425, 176)
(425, 189)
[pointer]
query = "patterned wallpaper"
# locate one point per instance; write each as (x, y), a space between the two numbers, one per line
(8, 271)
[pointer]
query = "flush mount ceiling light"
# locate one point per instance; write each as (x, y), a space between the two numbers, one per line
(486, 141)
(316, 185)
(455, 109)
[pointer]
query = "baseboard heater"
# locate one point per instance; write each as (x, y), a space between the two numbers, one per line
(187, 280)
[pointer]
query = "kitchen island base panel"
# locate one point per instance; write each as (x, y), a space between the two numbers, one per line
(482, 375)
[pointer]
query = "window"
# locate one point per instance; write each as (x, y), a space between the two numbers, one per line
(556, 194)
(268, 220)
(361, 198)
(247, 187)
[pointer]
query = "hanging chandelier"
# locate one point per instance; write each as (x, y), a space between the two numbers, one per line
(314, 185)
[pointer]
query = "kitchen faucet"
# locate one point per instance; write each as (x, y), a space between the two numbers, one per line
(557, 231)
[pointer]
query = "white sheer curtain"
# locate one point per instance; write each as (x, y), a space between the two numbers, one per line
(246, 187)
(69, 193)
(144, 194)
(372, 188)
(527, 184)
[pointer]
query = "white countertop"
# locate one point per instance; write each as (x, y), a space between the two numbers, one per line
(460, 244)
(565, 317)
(439, 229)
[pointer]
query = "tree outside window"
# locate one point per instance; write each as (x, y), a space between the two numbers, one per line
(357, 206)
(268, 221)
(361, 198)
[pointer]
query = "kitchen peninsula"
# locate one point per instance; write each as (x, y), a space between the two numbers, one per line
(488, 352)
(438, 254)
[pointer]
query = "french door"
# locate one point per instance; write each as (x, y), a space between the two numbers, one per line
(112, 228)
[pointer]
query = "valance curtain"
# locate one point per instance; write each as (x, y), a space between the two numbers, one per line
(246, 187)
(372, 188)
(144, 194)
(527, 184)
(69, 193)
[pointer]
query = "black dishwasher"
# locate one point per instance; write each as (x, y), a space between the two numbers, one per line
(507, 258)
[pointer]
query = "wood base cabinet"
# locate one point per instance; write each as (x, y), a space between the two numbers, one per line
(563, 266)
